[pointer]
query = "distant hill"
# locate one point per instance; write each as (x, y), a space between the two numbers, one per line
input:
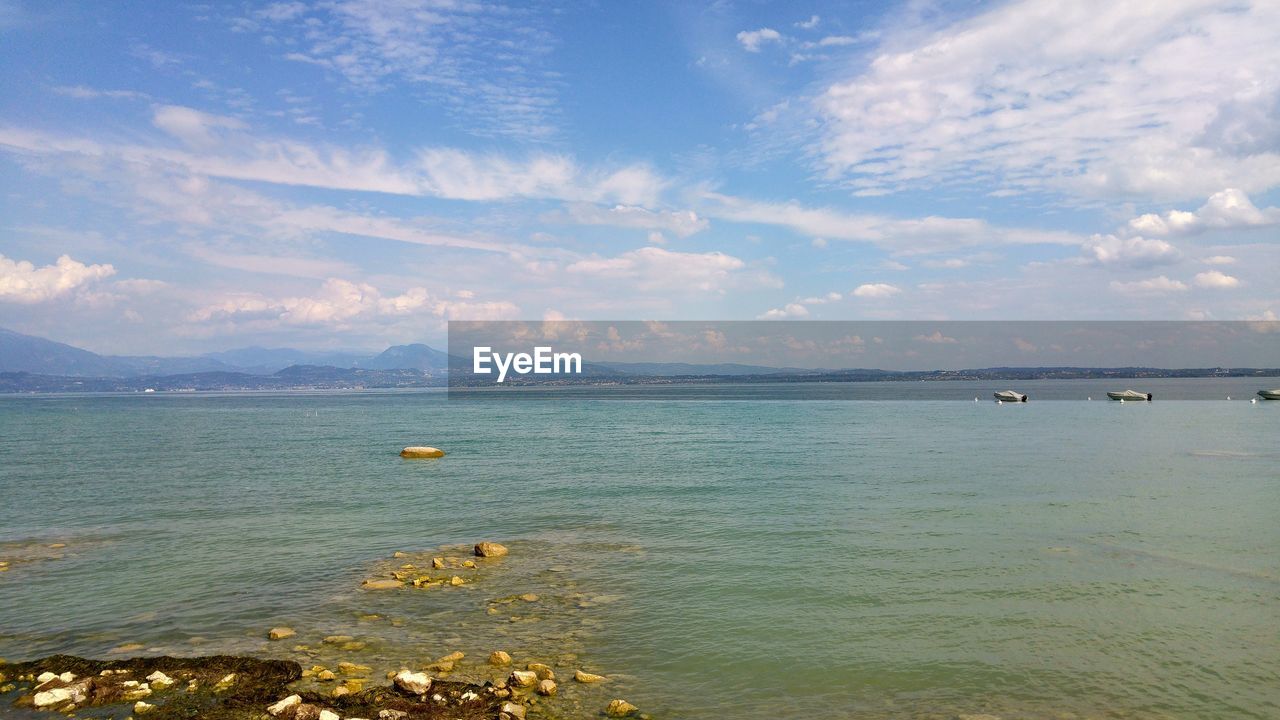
(268, 360)
(27, 353)
(416, 356)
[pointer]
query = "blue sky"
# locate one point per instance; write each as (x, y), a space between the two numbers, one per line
(176, 178)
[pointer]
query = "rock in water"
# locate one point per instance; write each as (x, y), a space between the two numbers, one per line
(522, 678)
(490, 549)
(620, 708)
(416, 683)
(280, 633)
(421, 451)
(586, 677)
(547, 687)
(284, 705)
(381, 584)
(512, 711)
(499, 658)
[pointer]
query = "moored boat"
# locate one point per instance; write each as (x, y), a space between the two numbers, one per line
(1269, 394)
(1131, 395)
(1010, 396)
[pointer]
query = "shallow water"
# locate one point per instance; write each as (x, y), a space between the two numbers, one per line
(762, 556)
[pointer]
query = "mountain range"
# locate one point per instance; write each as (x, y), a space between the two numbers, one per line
(30, 354)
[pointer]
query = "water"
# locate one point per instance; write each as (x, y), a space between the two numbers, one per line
(740, 553)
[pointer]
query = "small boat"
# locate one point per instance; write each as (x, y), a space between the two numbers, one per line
(1130, 395)
(1269, 394)
(1010, 396)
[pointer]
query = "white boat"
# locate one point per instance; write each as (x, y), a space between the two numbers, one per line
(1010, 396)
(1130, 395)
(1269, 394)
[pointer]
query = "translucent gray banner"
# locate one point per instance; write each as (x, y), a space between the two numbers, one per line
(881, 360)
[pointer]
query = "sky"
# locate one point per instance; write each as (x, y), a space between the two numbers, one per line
(177, 178)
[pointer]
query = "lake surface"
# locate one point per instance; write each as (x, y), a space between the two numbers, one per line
(717, 551)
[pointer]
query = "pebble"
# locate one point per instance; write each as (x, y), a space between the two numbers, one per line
(392, 715)
(142, 707)
(530, 597)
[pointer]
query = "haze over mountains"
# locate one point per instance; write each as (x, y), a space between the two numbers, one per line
(27, 353)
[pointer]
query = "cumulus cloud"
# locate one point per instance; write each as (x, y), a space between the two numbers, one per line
(1216, 280)
(1156, 285)
(23, 282)
(1160, 101)
(338, 303)
(1133, 251)
(1224, 210)
(751, 40)
(876, 290)
(790, 311)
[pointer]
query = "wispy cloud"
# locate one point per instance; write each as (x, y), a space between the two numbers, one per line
(1157, 101)
(486, 62)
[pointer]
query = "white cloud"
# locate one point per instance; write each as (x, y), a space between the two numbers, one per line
(1216, 280)
(339, 303)
(1162, 101)
(1219, 260)
(789, 311)
(23, 282)
(927, 234)
(876, 290)
(681, 223)
(751, 40)
(1133, 252)
(1155, 285)
(809, 24)
(195, 128)
(218, 149)
(654, 268)
(83, 92)
(1224, 210)
(487, 64)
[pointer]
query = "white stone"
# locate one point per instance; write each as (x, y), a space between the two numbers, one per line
(416, 683)
(51, 697)
(45, 677)
(285, 704)
(329, 715)
(142, 707)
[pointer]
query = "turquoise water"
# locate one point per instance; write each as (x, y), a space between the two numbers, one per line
(755, 558)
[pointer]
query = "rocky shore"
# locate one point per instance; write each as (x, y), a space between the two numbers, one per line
(336, 677)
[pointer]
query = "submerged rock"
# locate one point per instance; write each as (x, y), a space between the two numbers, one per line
(619, 708)
(421, 452)
(586, 677)
(280, 633)
(387, 584)
(490, 549)
(547, 687)
(499, 658)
